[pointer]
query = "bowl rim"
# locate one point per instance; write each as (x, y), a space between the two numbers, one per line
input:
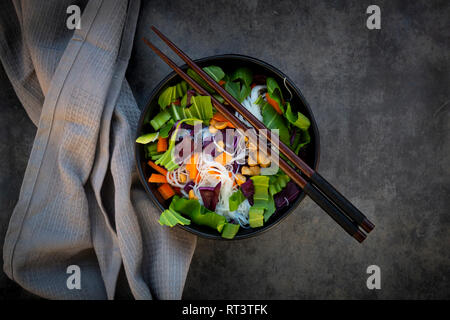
(212, 58)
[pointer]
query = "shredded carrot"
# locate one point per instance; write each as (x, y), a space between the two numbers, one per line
(222, 82)
(157, 168)
(166, 191)
(161, 146)
(273, 103)
(157, 178)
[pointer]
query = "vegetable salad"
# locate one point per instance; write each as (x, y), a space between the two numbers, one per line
(213, 174)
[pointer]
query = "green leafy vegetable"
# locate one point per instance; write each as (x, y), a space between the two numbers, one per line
(160, 119)
(233, 88)
(264, 205)
(215, 72)
(199, 214)
(245, 91)
(273, 120)
(168, 158)
(235, 200)
(256, 217)
(238, 85)
(171, 217)
(156, 156)
(273, 88)
(230, 230)
(164, 132)
(176, 112)
(238, 91)
(147, 138)
(270, 208)
(183, 101)
(171, 94)
(278, 182)
(304, 140)
(199, 80)
(261, 196)
(243, 74)
(219, 98)
(274, 92)
(151, 148)
(299, 120)
(260, 101)
(201, 108)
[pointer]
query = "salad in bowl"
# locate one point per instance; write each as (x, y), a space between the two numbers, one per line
(207, 174)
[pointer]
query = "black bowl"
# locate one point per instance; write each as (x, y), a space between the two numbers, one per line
(228, 63)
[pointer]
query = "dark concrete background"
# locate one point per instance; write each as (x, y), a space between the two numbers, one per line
(381, 100)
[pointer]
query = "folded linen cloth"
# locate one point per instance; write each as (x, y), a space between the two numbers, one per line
(81, 202)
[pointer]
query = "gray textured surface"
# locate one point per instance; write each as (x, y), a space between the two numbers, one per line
(381, 100)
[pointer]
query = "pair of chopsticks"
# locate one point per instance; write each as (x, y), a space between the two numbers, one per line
(316, 187)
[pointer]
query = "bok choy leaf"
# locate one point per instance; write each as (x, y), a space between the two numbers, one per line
(171, 217)
(243, 74)
(198, 213)
(171, 94)
(160, 119)
(213, 71)
(273, 120)
(299, 120)
(147, 138)
(201, 108)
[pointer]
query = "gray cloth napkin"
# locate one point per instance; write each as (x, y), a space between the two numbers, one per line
(81, 202)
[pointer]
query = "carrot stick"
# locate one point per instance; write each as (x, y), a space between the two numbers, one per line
(157, 168)
(191, 166)
(273, 103)
(157, 178)
(161, 146)
(166, 191)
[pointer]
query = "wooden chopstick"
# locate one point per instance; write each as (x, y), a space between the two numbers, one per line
(322, 184)
(307, 187)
